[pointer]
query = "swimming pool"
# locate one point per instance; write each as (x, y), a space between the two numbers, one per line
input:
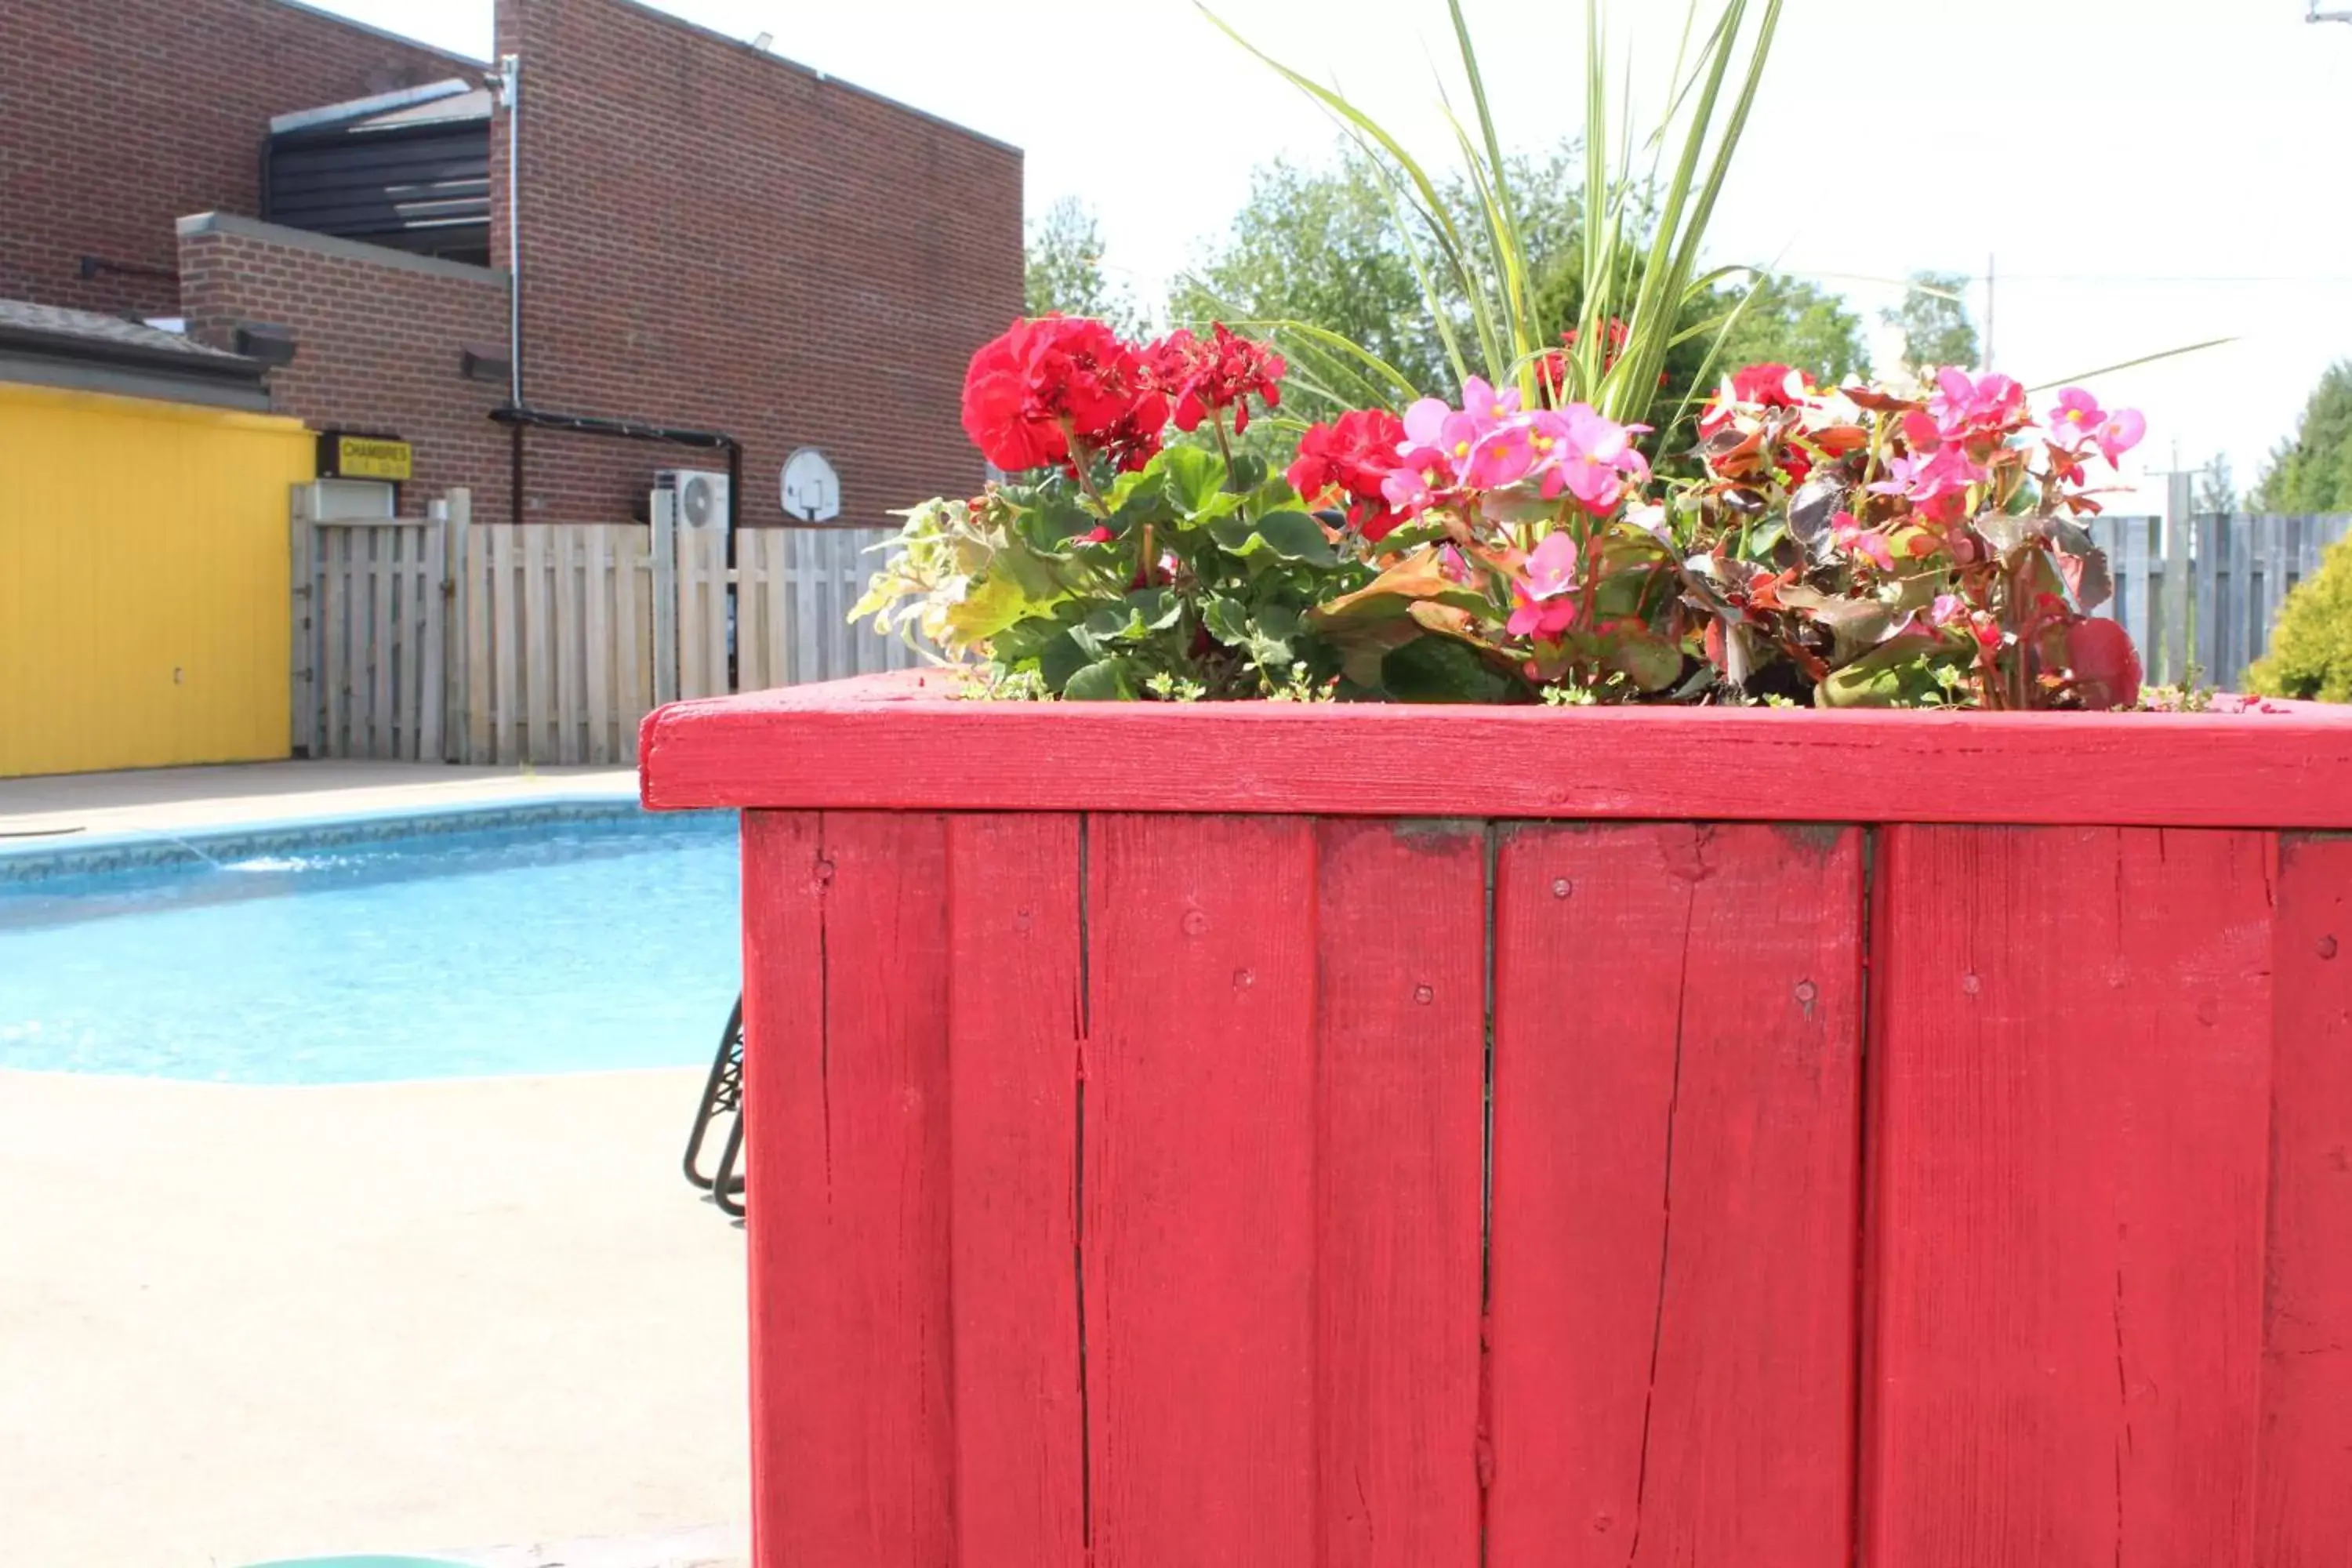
(588, 937)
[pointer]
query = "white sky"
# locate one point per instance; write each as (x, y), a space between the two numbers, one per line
(2147, 173)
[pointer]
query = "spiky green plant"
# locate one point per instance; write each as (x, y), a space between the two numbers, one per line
(1643, 235)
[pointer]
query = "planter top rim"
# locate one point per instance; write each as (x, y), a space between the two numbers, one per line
(900, 741)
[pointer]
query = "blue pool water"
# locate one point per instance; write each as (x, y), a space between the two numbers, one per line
(605, 942)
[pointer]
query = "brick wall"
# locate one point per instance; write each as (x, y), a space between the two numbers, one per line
(714, 238)
(118, 116)
(379, 335)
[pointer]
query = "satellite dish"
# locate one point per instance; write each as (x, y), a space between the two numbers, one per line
(811, 490)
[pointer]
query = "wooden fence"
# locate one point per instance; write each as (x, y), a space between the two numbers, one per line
(547, 643)
(370, 636)
(2200, 592)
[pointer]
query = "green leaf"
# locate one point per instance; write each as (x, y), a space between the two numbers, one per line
(1193, 477)
(1062, 658)
(1650, 662)
(1159, 607)
(992, 604)
(1439, 670)
(1900, 673)
(1226, 620)
(1291, 535)
(1106, 681)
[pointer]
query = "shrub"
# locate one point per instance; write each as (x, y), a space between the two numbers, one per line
(2311, 652)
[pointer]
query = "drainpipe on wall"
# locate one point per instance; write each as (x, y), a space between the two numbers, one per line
(508, 80)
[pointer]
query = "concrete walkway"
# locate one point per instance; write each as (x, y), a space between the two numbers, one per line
(479, 1320)
(483, 1321)
(171, 800)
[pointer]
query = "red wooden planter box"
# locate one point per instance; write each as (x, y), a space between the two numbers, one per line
(1919, 1140)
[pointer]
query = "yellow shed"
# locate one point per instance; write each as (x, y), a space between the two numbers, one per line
(144, 552)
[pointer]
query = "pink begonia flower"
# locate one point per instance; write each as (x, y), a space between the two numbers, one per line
(1961, 403)
(1543, 619)
(1552, 567)
(1413, 484)
(1948, 610)
(1597, 459)
(1501, 457)
(1920, 434)
(2119, 433)
(1543, 608)
(1487, 405)
(1424, 422)
(2074, 418)
(2078, 418)
(1848, 534)
(1923, 480)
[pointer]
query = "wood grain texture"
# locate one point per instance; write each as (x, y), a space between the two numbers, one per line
(897, 742)
(846, 1023)
(1400, 1138)
(1198, 1208)
(1678, 1035)
(2071, 1062)
(1014, 948)
(2305, 1516)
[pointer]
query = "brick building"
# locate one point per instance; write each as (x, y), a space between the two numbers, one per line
(710, 238)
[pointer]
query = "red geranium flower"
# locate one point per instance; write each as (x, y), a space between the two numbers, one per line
(1353, 454)
(1058, 389)
(1766, 386)
(1219, 373)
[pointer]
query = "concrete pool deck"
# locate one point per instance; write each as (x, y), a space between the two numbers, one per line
(180, 800)
(482, 1320)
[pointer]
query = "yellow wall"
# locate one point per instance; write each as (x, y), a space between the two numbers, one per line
(143, 580)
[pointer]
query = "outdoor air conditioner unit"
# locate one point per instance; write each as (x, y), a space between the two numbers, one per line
(699, 496)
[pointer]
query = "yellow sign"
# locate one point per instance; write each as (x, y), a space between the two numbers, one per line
(370, 457)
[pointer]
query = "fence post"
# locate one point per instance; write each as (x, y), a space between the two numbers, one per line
(430, 669)
(457, 594)
(2205, 556)
(664, 519)
(302, 736)
(2177, 640)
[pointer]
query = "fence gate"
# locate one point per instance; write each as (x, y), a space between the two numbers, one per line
(370, 629)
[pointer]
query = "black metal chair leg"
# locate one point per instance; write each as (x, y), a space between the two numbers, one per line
(721, 1095)
(727, 1192)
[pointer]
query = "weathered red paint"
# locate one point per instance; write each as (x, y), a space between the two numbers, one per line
(1944, 1194)
(1677, 1047)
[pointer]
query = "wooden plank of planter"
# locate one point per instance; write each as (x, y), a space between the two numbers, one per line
(896, 743)
(851, 1343)
(1400, 1133)
(1016, 1026)
(1199, 1210)
(2304, 1513)
(1677, 1039)
(2071, 1069)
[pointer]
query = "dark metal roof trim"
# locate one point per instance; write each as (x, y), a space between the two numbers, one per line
(205, 364)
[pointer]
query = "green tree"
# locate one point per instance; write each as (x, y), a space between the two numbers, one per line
(1319, 246)
(1933, 320)
(1064, 270)
(1323, 246)
(1794, 324)
(2216, 487)
(2313, 472)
